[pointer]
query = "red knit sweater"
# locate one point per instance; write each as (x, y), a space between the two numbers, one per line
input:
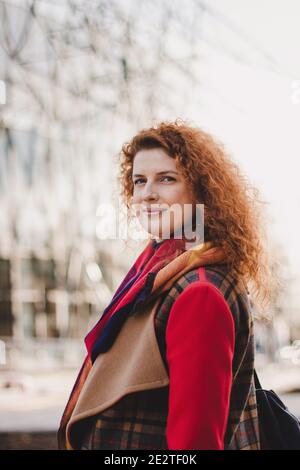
(200, 346)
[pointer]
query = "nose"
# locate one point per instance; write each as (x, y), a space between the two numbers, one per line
(149, 195)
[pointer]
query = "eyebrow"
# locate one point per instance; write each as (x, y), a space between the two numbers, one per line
(160, 173)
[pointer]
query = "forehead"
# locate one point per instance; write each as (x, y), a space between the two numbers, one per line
(153, 160)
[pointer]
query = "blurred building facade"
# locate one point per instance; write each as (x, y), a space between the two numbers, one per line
(75, 80)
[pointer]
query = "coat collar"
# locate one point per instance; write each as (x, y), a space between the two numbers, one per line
(132, 364)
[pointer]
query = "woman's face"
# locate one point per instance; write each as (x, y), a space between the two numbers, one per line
(162, 200)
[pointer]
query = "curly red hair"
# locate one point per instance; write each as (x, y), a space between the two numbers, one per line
(233, 217)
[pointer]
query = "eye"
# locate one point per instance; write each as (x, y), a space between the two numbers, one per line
(162, 178)
(139, 179)
(170, 178)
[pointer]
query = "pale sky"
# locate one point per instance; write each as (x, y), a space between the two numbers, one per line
(250, 107)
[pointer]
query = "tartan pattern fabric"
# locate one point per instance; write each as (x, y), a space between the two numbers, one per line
(246, 436)
(135, 422)
(138, 420)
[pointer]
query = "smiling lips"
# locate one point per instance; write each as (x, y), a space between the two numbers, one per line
(153, 211)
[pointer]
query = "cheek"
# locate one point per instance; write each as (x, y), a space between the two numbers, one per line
(136, 206)
(135, 196)
(179, 195)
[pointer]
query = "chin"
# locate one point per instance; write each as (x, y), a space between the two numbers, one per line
(162, 229)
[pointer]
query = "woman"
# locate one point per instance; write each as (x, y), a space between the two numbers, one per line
(170, 362)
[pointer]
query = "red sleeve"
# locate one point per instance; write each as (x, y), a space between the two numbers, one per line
(200, 346)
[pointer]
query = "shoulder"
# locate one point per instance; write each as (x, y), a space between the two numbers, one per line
(215, 281)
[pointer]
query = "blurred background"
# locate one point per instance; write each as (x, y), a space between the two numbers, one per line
(78, 79)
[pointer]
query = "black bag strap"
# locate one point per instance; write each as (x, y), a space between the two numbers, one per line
(256, 379)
